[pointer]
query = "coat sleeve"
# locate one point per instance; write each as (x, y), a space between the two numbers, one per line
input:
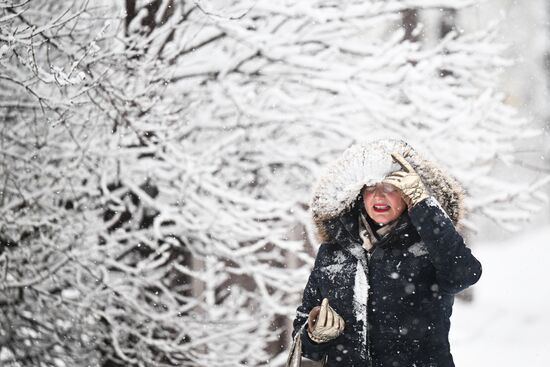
(455, 267)
(311, 298)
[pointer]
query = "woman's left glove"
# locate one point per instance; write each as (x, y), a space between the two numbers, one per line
(324, 323)
(407, 181)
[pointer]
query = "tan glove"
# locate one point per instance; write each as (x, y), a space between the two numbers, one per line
(324, 323)
(407, 181)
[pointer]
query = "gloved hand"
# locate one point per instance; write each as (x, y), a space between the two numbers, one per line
(407, 181)
(324, 323)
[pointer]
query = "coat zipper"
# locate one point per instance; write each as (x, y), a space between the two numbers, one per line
(369, 256)
(369, 359)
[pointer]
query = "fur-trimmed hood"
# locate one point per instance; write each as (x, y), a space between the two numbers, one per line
(365, 164)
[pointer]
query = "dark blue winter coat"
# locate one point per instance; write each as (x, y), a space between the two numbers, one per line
(413, 275)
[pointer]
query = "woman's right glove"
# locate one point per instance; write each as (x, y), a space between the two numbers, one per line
(324, 323)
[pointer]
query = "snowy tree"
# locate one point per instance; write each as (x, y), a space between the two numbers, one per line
(156, 154)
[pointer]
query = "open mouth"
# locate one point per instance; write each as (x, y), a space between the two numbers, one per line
(380, 208)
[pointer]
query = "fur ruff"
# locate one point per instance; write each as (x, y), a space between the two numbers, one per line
(368, 163)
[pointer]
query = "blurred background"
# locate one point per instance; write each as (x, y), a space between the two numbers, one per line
(157, 159)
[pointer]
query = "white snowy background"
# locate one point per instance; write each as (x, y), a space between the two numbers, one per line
(507, 323)
(156, 161)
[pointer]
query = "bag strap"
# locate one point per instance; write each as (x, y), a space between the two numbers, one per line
(295, 356)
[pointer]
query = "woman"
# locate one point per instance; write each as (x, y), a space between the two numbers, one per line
(390, 262)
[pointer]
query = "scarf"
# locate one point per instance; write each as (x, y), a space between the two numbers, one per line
(370, 237)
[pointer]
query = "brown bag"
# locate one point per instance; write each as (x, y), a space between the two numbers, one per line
(295, 356)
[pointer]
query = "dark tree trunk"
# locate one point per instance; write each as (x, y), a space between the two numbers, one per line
(447, 25)
(409, 19)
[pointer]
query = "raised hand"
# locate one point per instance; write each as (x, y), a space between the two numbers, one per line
(407, 181)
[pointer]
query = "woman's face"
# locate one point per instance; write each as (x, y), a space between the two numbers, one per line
(383, 202)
